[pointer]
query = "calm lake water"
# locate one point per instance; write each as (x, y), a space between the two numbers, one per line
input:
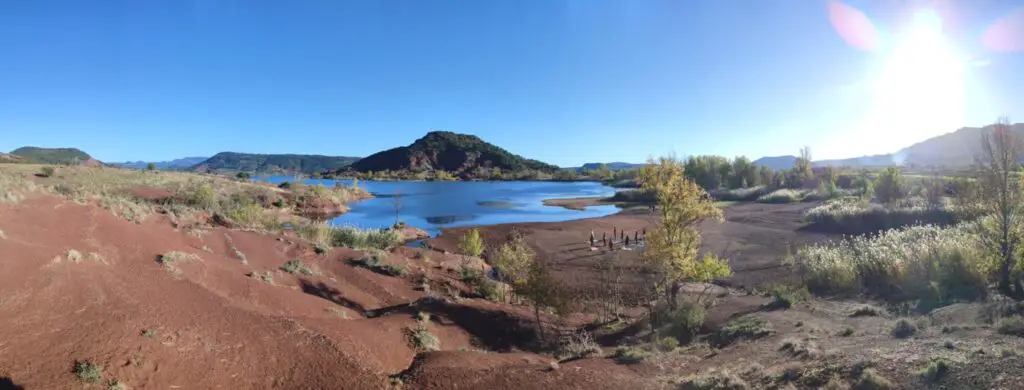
(433, 205)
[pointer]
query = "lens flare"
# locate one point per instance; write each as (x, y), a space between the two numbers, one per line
(853, 26)
(1006, 34)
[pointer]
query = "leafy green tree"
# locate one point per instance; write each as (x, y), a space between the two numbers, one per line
(864, 186)
(150, 167)
(672, 246)
(512, 261)
(801, 168)
(890, 186)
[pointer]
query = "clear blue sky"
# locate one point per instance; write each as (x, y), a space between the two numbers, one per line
(566, 82)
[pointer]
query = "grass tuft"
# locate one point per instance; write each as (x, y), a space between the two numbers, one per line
(717, 380)
(871, 380)
(88, 372)
(744, 328)
(630, 355)
(935, 370)
(1013, 326)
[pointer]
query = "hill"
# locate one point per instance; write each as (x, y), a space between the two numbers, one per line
(954, 149)
(776, 163)
(181, 163)
(273, 163)
(54, 155)
(451, 152)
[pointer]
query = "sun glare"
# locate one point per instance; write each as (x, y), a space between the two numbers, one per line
(919, 91)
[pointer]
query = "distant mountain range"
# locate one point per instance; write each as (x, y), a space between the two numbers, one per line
(272, 163)
(615, 166)
(448, 151)
(955, 149)
(181, 163)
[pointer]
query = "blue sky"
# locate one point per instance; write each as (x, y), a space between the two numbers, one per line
(566, 82)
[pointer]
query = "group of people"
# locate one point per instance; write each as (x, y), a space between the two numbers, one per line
(638, 237)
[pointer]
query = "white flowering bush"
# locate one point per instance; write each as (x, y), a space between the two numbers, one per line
(926, 263)
(784, 195)
(850, 215)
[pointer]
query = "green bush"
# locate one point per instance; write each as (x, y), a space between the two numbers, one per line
(890, 186)
(871, 380)
(423, 340)
(399, 270)
(784, 297)
(356, 238)
(853, 216)
(685, 321)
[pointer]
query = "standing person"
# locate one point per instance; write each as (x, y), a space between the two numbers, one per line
(611, 246)
(591, 237)
(615, 232)
(604, 238)
(622, 235)
(627, 240)
(636, 236)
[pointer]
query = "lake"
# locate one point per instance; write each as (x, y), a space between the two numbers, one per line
(433, 205)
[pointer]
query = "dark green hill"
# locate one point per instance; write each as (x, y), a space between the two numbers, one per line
(52, 155)
(450, 152)
(273, 163)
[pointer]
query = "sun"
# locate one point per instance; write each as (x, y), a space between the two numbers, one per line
(919, 89)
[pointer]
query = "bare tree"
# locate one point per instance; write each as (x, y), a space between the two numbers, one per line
(999, 195)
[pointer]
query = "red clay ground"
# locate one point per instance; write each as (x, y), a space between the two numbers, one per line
(203, 323)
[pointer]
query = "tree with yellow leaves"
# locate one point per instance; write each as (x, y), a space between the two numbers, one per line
(673, 245)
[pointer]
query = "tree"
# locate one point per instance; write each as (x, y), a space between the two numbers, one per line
(998, 194)
(890, 186)
(672, 246)
(471, 244)
(802, 167)
(542, 290)
(512, 260)
(396, 202)
(864, 186)
(151, 167)
(240, 175)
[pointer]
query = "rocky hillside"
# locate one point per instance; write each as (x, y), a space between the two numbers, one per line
(451, 152)
(71, 156)
(273, 163)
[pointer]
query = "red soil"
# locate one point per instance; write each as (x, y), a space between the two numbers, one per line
(215, 327)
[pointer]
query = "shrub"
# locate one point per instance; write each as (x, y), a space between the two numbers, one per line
(852, 216)
(903, 329)
(740, 194)
(744, 328)
(46, 171)
(925, 263)
(686, 320)
(296, 266)
(935, 370)
(370, 259)
(718, 380)
(634, 196)
(785, 195)
(88, 372)
(579, 345)
(890, 186)
(784, 297)
(356, 238)
(1013, 326)
(630, 355)
(667, 344)
(871, 380)
(846, 332)
(200, 195)
(319, 233)
(423, 340)
(399, 270)
(867, 311)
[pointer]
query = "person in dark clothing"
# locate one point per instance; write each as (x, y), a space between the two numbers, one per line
(622, 235)
(627, 240)
(615, 231)
(591, 238)
(611, 246)
(636, 236)
(604, 239)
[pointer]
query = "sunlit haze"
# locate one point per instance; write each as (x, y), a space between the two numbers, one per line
(566, 82)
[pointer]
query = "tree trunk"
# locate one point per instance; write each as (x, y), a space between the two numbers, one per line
(540, 328)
